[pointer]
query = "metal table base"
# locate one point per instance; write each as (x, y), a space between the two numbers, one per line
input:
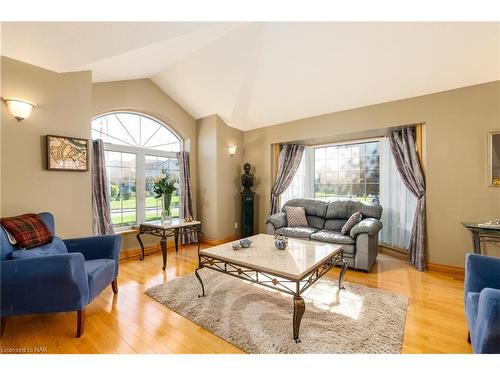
(294, 287)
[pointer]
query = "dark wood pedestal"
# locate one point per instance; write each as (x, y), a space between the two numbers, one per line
(247, 213)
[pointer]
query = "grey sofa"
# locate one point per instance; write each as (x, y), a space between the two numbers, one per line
(325, 220)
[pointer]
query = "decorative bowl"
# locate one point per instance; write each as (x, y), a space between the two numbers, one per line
(280, 241)
(245, 242)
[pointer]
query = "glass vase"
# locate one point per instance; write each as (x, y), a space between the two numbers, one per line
(166, 217)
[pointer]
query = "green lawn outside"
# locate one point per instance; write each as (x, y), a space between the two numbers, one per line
(130, 203)
(130, 219)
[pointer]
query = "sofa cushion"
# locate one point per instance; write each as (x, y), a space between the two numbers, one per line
(29, 230)
(55, 247)
(344, 209)
(331, 236)
(296, 217)
(337, 210)
(298, 232)
(372, 210)
(334, 224)
(312, 207)
(315, 222)
(100, 273)
(352, 221)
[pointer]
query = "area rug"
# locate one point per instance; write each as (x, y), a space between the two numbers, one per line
(256, 319)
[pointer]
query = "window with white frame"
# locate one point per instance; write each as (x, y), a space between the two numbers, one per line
(346, 171)
(138, 149)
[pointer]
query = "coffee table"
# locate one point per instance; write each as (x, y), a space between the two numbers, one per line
(291, 271)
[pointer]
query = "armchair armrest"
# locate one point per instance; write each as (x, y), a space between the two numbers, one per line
(369, 225)
(43, 284)
(96, 247)
(487, 335)
(481, 271)
(277, 220)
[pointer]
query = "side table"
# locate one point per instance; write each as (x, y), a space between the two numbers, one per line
(175, 229)
(482, 234)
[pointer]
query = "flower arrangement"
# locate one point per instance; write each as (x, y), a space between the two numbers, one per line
(164, 188)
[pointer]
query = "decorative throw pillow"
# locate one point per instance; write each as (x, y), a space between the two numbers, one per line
(296, 216)
(29, 230)
(352, 221)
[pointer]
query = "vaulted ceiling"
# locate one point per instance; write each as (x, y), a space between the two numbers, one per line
(258, 74)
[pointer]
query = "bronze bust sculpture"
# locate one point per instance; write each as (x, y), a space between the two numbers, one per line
(247, 178)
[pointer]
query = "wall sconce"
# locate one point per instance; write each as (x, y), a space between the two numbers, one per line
(20, 109)
(232, 149)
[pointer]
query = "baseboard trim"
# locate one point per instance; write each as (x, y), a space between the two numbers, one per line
(136, 251)
(456, 271)
(441, 268)
(392, 252)
(214, 242)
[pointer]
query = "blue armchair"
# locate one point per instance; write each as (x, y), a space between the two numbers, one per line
(482, 302)
(64, 275)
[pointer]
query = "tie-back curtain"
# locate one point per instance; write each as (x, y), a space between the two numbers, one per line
(404, 149)
(186, 197)
(288, 163)
(101, 211)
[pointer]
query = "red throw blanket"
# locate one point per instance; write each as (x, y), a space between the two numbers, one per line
(29, 230)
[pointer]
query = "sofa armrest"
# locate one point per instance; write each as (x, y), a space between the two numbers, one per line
(369, 226)
(96, 247)
(43, 284)
(481, 271)
(487, 334)
(277, 220)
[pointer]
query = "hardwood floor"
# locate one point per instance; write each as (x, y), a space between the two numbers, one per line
(131, 322)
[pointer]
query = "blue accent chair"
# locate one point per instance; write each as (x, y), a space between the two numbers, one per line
(482, 302)
(64, 275)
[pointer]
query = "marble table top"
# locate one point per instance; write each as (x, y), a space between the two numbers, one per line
(295, 262)
(176, 223)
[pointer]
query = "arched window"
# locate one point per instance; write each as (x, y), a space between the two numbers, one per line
(138, 149)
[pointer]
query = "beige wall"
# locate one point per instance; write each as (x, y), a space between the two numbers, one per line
(207, 175)
(456, 126)
(218, 176)
(63, 108)
(230, 168)
(143, 95)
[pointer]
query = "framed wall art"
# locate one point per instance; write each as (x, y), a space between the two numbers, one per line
(67, 153)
